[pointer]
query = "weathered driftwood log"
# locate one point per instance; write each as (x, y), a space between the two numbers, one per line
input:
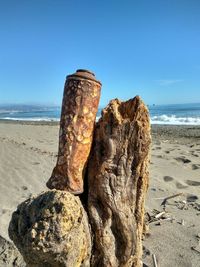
(52, 230)
(118, 181)
(80, 104)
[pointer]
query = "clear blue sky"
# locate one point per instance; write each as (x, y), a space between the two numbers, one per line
(150, 48)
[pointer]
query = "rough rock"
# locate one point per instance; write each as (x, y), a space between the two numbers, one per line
(118, 180)
(9, 255)
(79, 107)
(52, 230)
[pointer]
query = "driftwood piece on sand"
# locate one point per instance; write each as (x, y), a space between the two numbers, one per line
(155, 264)
(117, 181)
(170, 197)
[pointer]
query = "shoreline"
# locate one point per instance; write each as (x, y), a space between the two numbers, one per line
(162, 131)
(43, 122)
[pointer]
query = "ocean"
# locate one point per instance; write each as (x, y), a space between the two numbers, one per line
(29, 113)
(180, 114)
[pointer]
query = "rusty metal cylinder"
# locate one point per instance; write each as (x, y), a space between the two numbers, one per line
(79, 108)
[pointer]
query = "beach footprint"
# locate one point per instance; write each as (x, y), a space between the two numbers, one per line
(180, 185)
(194, 154)
(183, 160)
(195, 166)
(191, 198)
(192, 183)
(36, 163)
(168, 178)
(158, 156)
(158, 148)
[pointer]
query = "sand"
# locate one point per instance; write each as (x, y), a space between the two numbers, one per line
(28, 155)
(175, 168)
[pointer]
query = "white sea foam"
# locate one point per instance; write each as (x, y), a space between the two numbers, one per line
(162, 119)
(173, 120)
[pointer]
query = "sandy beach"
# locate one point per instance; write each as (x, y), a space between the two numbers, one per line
(28, 154)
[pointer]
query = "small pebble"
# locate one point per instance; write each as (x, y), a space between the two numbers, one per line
(182, 222)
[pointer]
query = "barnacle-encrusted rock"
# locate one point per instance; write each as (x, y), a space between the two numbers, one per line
(79, 107)
(118, 181)
(52, 230)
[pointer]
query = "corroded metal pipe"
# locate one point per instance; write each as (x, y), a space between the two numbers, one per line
(79, 107)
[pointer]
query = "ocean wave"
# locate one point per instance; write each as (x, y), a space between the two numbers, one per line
(173, 120)
(9, 109)
(30, 119)
(35, 119)
(161, 119)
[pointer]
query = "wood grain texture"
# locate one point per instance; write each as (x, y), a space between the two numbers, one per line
(118, 180)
